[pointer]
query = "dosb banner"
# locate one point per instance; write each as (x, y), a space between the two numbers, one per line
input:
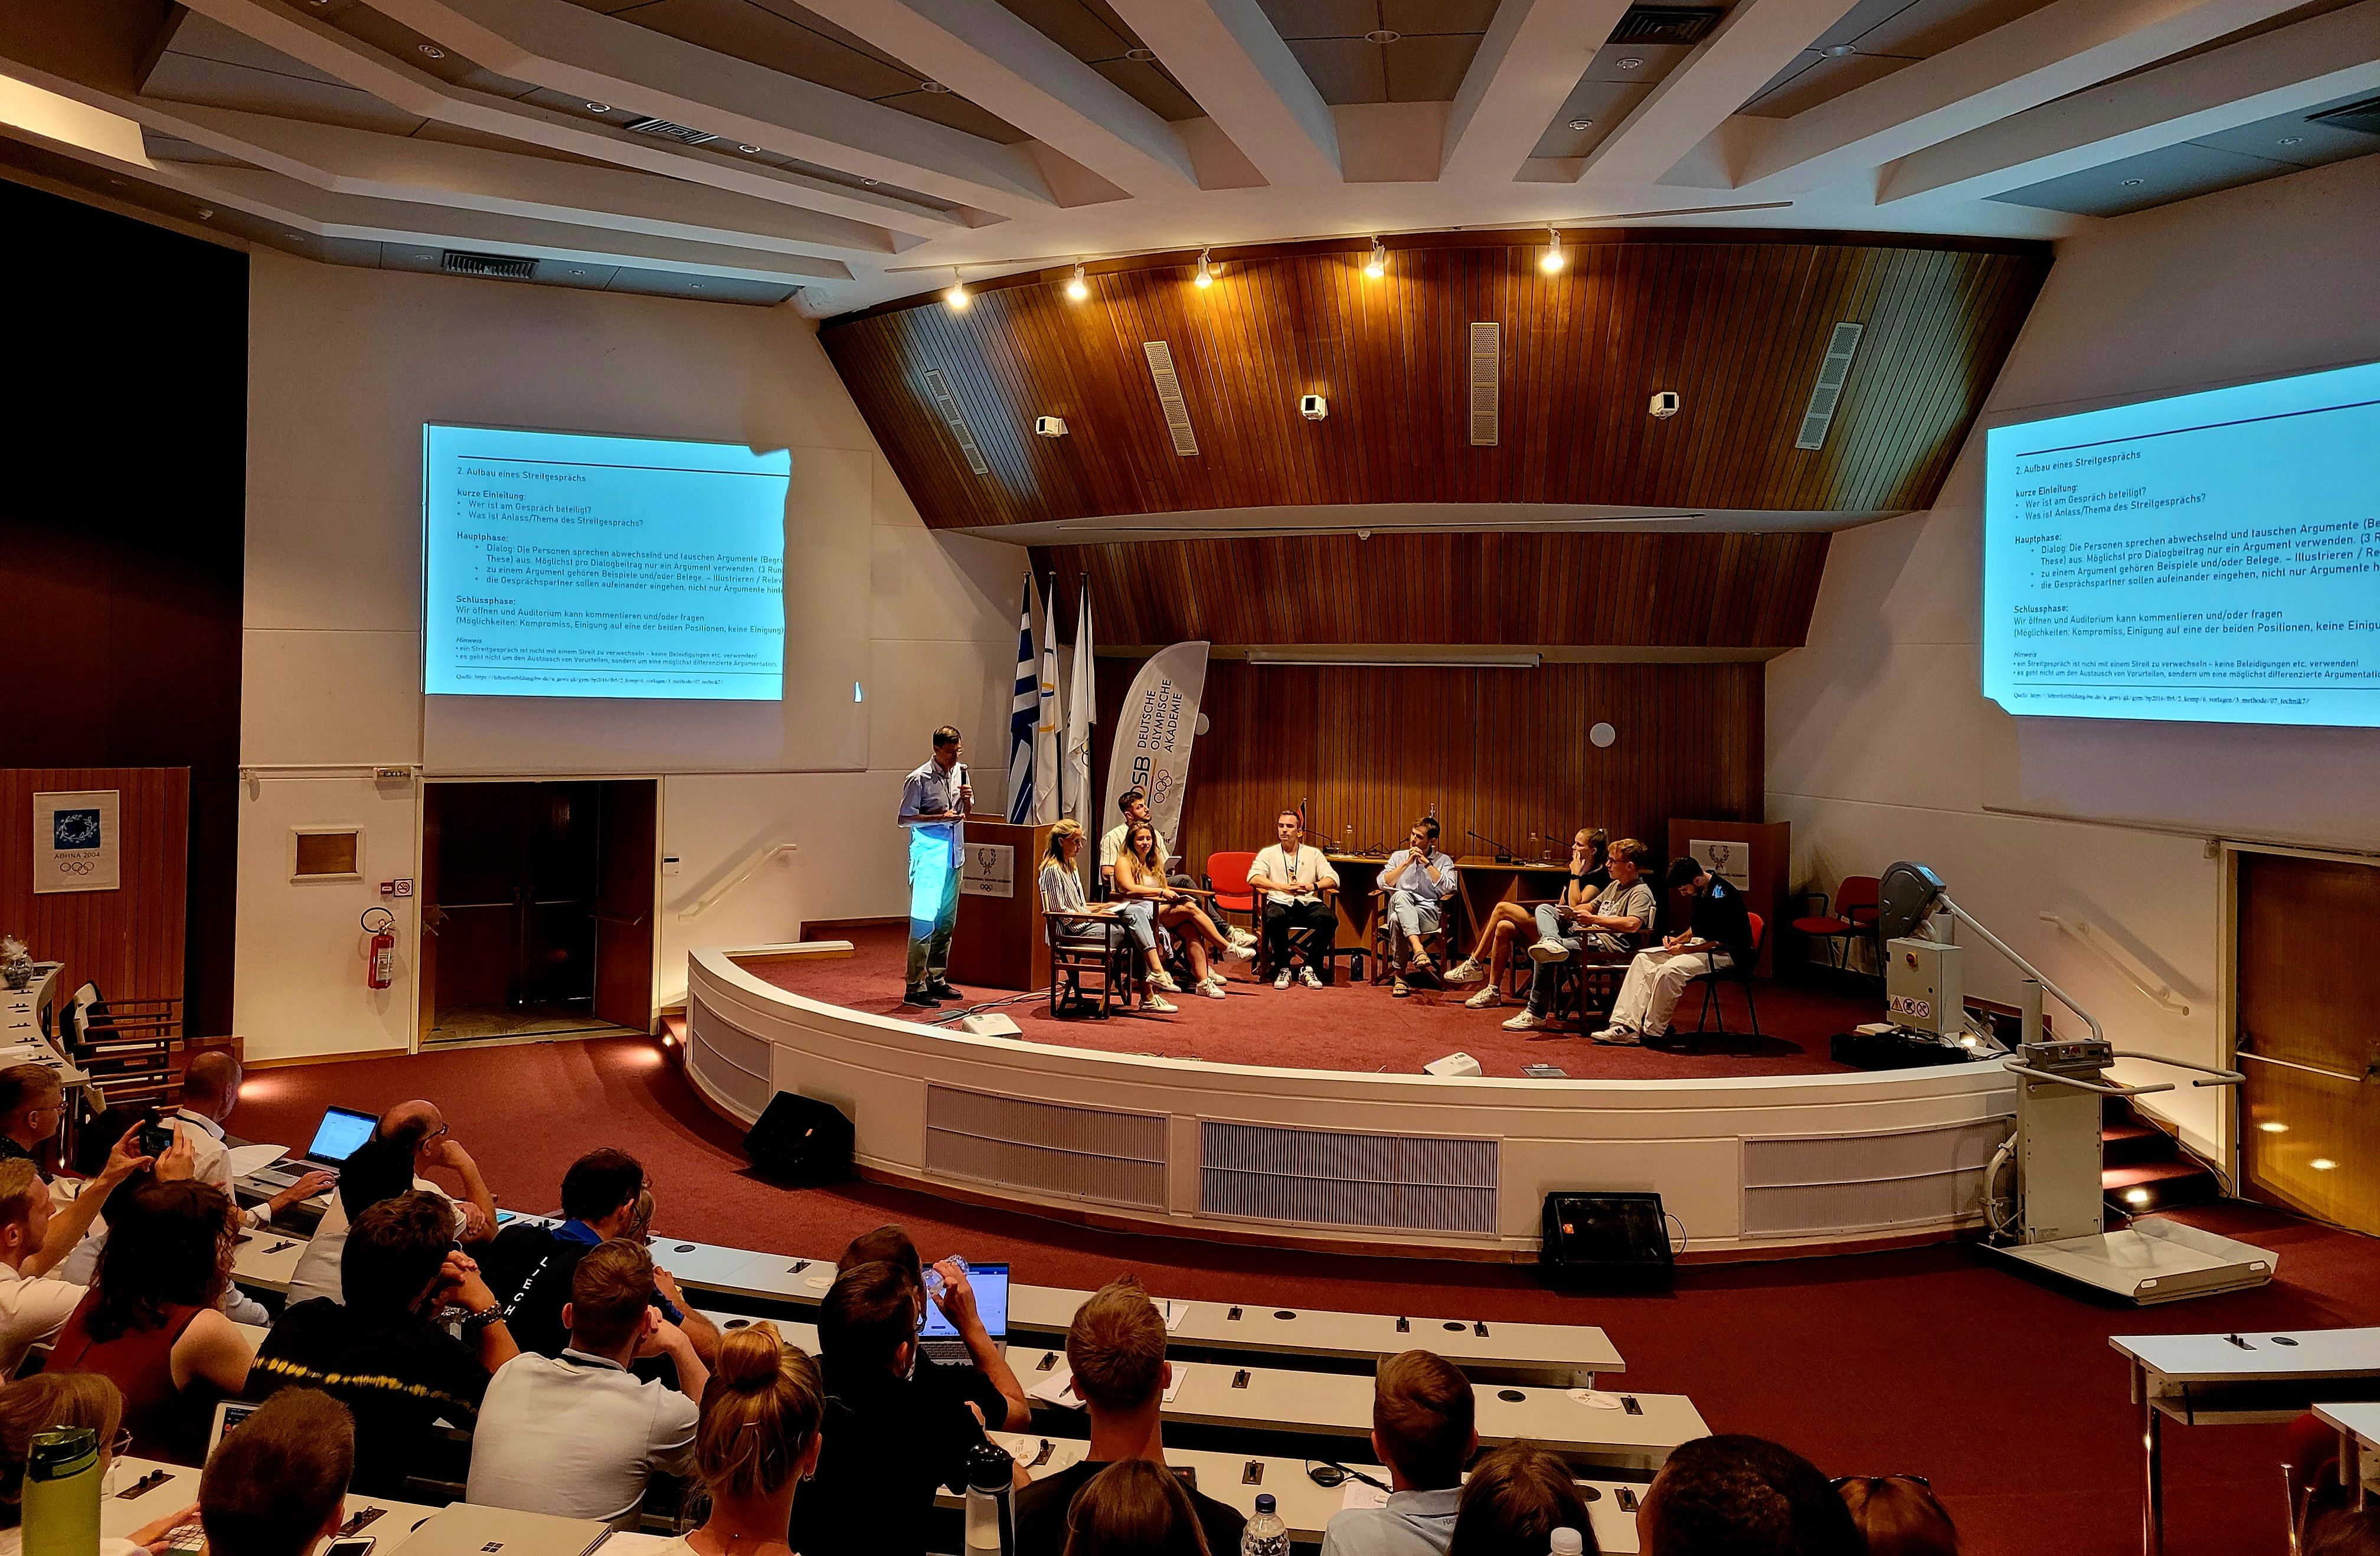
(1150, 748)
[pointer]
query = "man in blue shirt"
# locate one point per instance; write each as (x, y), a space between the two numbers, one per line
(1422, 1412)
(1418, 878)
(934, 803)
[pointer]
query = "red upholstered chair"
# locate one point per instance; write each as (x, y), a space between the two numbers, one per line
(1227, 877)
(1856, 906)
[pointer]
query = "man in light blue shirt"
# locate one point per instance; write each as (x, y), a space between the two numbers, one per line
(1418, 878)
(934, 803)
(1422, 1429)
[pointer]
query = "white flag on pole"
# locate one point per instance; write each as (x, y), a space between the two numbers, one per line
(1082, 711)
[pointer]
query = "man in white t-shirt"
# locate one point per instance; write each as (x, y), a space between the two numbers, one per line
(579, 1435)
(33, 1308)
(1300, 919)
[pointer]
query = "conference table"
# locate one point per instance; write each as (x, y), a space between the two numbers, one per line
(2358, 1445)
(1481, 881)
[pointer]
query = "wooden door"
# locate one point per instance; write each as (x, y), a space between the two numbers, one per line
(430, 921)
(630, 864)
(2308, 988)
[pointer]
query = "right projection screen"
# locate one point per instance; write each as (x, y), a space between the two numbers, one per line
(2206, 558)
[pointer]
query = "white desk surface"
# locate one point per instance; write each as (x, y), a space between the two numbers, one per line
(2252, 1356)
(267, 1259)
(118, 1518)
(2360, 1421)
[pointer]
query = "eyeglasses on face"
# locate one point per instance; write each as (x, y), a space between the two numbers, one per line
(1839, 1482)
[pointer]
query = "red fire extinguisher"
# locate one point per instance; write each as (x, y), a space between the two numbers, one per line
(380, 960)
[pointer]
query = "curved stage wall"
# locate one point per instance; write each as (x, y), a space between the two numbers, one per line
(1327, 1158)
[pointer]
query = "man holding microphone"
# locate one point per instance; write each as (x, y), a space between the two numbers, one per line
(935, 800)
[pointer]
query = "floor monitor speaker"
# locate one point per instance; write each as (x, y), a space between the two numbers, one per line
(1614, 1240)
(801, 1140)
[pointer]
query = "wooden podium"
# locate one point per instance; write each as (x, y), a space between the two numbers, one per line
(1000, 942)
(1769, 846)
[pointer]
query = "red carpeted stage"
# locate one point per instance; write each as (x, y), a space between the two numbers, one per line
(1358, 1026)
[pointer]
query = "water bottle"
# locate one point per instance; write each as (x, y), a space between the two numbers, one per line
(990, 1472)
(1567, 1542)
(1265, 1534)
(62, 1493)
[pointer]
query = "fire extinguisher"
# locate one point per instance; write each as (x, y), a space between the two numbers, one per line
(380, 960)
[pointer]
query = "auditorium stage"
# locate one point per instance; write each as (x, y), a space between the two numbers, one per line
(1360, 1027)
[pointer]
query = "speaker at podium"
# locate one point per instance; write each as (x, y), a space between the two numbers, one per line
(1000, 942)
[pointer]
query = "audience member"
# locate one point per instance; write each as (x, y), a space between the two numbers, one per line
(985, 1380)
(1422, 1429)
(412, 1139)
(888, 1441)
(1898, 1516)
(1135, 1508)
(152, 1321)
(380, 1353)
(209, 1091)
(33, 1233)
(278, 1486)
(578, 1434)
(31, 1101)
(2346, 1531)
(41, 1403)
(1517, 1495)
(1117, 1347)
(528, 1266)
(1743, 1496)
(759, 1441)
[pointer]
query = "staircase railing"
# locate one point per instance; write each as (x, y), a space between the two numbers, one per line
(750, 868)
(2159, 994)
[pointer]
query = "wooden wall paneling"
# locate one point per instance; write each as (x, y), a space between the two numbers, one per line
(131, 941)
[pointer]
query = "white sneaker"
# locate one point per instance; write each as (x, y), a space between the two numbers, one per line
(1527, 1021)
(1163, 979)
(1468, 971)
(1239, 936)
(1280, 979)
(1306, 975)
(1159, 1003)
(1212, 989)
(1238, 953)
(1486, 999)
(1549, 950)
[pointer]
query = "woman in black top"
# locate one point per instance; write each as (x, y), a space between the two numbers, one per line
(1589, 874)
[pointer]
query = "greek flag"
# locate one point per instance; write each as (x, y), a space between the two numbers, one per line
(1024, 720)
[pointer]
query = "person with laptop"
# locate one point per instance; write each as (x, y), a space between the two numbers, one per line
(278, 1486)
(579, 1435)
(890, 1444)
(406, 1141)
(209, 1091)
(1422, 1413)
(963, 1349)
(1117, 1347)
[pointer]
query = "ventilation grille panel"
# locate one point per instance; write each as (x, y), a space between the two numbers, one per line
(1869, 1183)
(1486, 372)
(669, 131)
(460, 261)
(953, 418)
(729, 1060)
(1324, 1177)
(1169, 395)
(1665, 24)
(1074, 1153)
(1827, 393)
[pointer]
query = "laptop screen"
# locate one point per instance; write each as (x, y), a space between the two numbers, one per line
(341, 1131)
(990, 1285)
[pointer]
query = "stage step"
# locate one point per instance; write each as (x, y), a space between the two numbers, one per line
(2142, 1169)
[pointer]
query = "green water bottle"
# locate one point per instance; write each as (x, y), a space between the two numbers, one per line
(62, 1478)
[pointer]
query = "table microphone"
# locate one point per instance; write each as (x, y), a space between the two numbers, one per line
(1503, 851)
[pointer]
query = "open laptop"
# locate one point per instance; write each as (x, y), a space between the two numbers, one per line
(942, 1341)
(336, 1139)
(229, 1413)
(469, 1530)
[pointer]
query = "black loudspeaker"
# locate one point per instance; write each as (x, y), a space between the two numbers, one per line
(1605, 1241)
(801, 1140)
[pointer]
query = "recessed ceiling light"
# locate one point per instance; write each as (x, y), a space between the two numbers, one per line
(1631, 63)
(433, 51)
(1839, 51)
(117, 182)
(869, 182)
(2134, 183)
(1385, 35)
(599, 107)
(749, 151)
(1140, 57)
(2293, 140)
(1582, 124)
(206, 212)
(932, 85)
(697, 286)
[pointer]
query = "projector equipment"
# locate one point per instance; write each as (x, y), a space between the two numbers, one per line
(1050, 426)
(1314, 407)
(801, 1140)
(989, 1027)
(1455, 1064)
(1664, 405)
(1590, 1239)
(2054, 1221)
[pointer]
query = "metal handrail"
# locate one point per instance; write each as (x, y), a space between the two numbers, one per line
(751, 866)
(2103, 1088)
(2161, 996)
(2310, 1069)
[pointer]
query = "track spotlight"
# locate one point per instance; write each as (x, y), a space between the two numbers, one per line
(1076, 287)
(1206, 277)
(1378, 265)
(957, 296)
(1553, 259)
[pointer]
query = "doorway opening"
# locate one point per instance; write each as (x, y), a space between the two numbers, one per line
(538, 910)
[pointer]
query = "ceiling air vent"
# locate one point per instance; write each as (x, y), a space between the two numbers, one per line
(1486, 372)
(1666, 24)
(460, 261)
(2363, 116)
(1827, 391)
(669, 131)
(940, 388)
(1168, 395)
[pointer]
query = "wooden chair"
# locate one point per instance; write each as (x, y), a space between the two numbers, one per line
(1738, 970)
(1109, 958)
(125, 1046)
(1377, 930)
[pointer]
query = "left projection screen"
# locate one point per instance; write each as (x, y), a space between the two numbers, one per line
(575, 564)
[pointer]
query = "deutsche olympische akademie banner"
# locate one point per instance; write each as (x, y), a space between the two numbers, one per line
(1149, 747)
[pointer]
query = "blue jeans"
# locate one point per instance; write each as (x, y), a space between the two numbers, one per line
(933, 906)
(1547, 973)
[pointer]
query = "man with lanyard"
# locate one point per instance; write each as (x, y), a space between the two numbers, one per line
(1719, 936)
(1300, 921)
(529, 1266)
(1418, 878)
(935, 800)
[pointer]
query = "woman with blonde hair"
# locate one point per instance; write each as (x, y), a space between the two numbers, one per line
(1061, 892)
(49, 1400)
(1140, 876)
(1134, 1508)
(1514, 923)
(757, 1442)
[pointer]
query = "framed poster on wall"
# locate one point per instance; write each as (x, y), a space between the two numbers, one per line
(75, 842)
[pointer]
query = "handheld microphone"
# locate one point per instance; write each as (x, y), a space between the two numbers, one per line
(1503, 850)
(962, 804)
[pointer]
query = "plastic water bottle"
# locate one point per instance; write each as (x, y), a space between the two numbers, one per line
(1265, 1534)
(990, 1472)
(1568, 1542)
(61, 1493)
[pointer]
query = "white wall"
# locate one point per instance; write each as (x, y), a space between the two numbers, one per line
(345, 367)
(1880, 743)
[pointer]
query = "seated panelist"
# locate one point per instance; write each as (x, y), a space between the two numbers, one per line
(1417, 879)
(1720, 935)
(1514, 923)
(1140, 874)
(1300, 921)
(1061, 892)
(1625, 911)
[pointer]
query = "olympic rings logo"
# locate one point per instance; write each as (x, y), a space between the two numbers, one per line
(77, 867)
